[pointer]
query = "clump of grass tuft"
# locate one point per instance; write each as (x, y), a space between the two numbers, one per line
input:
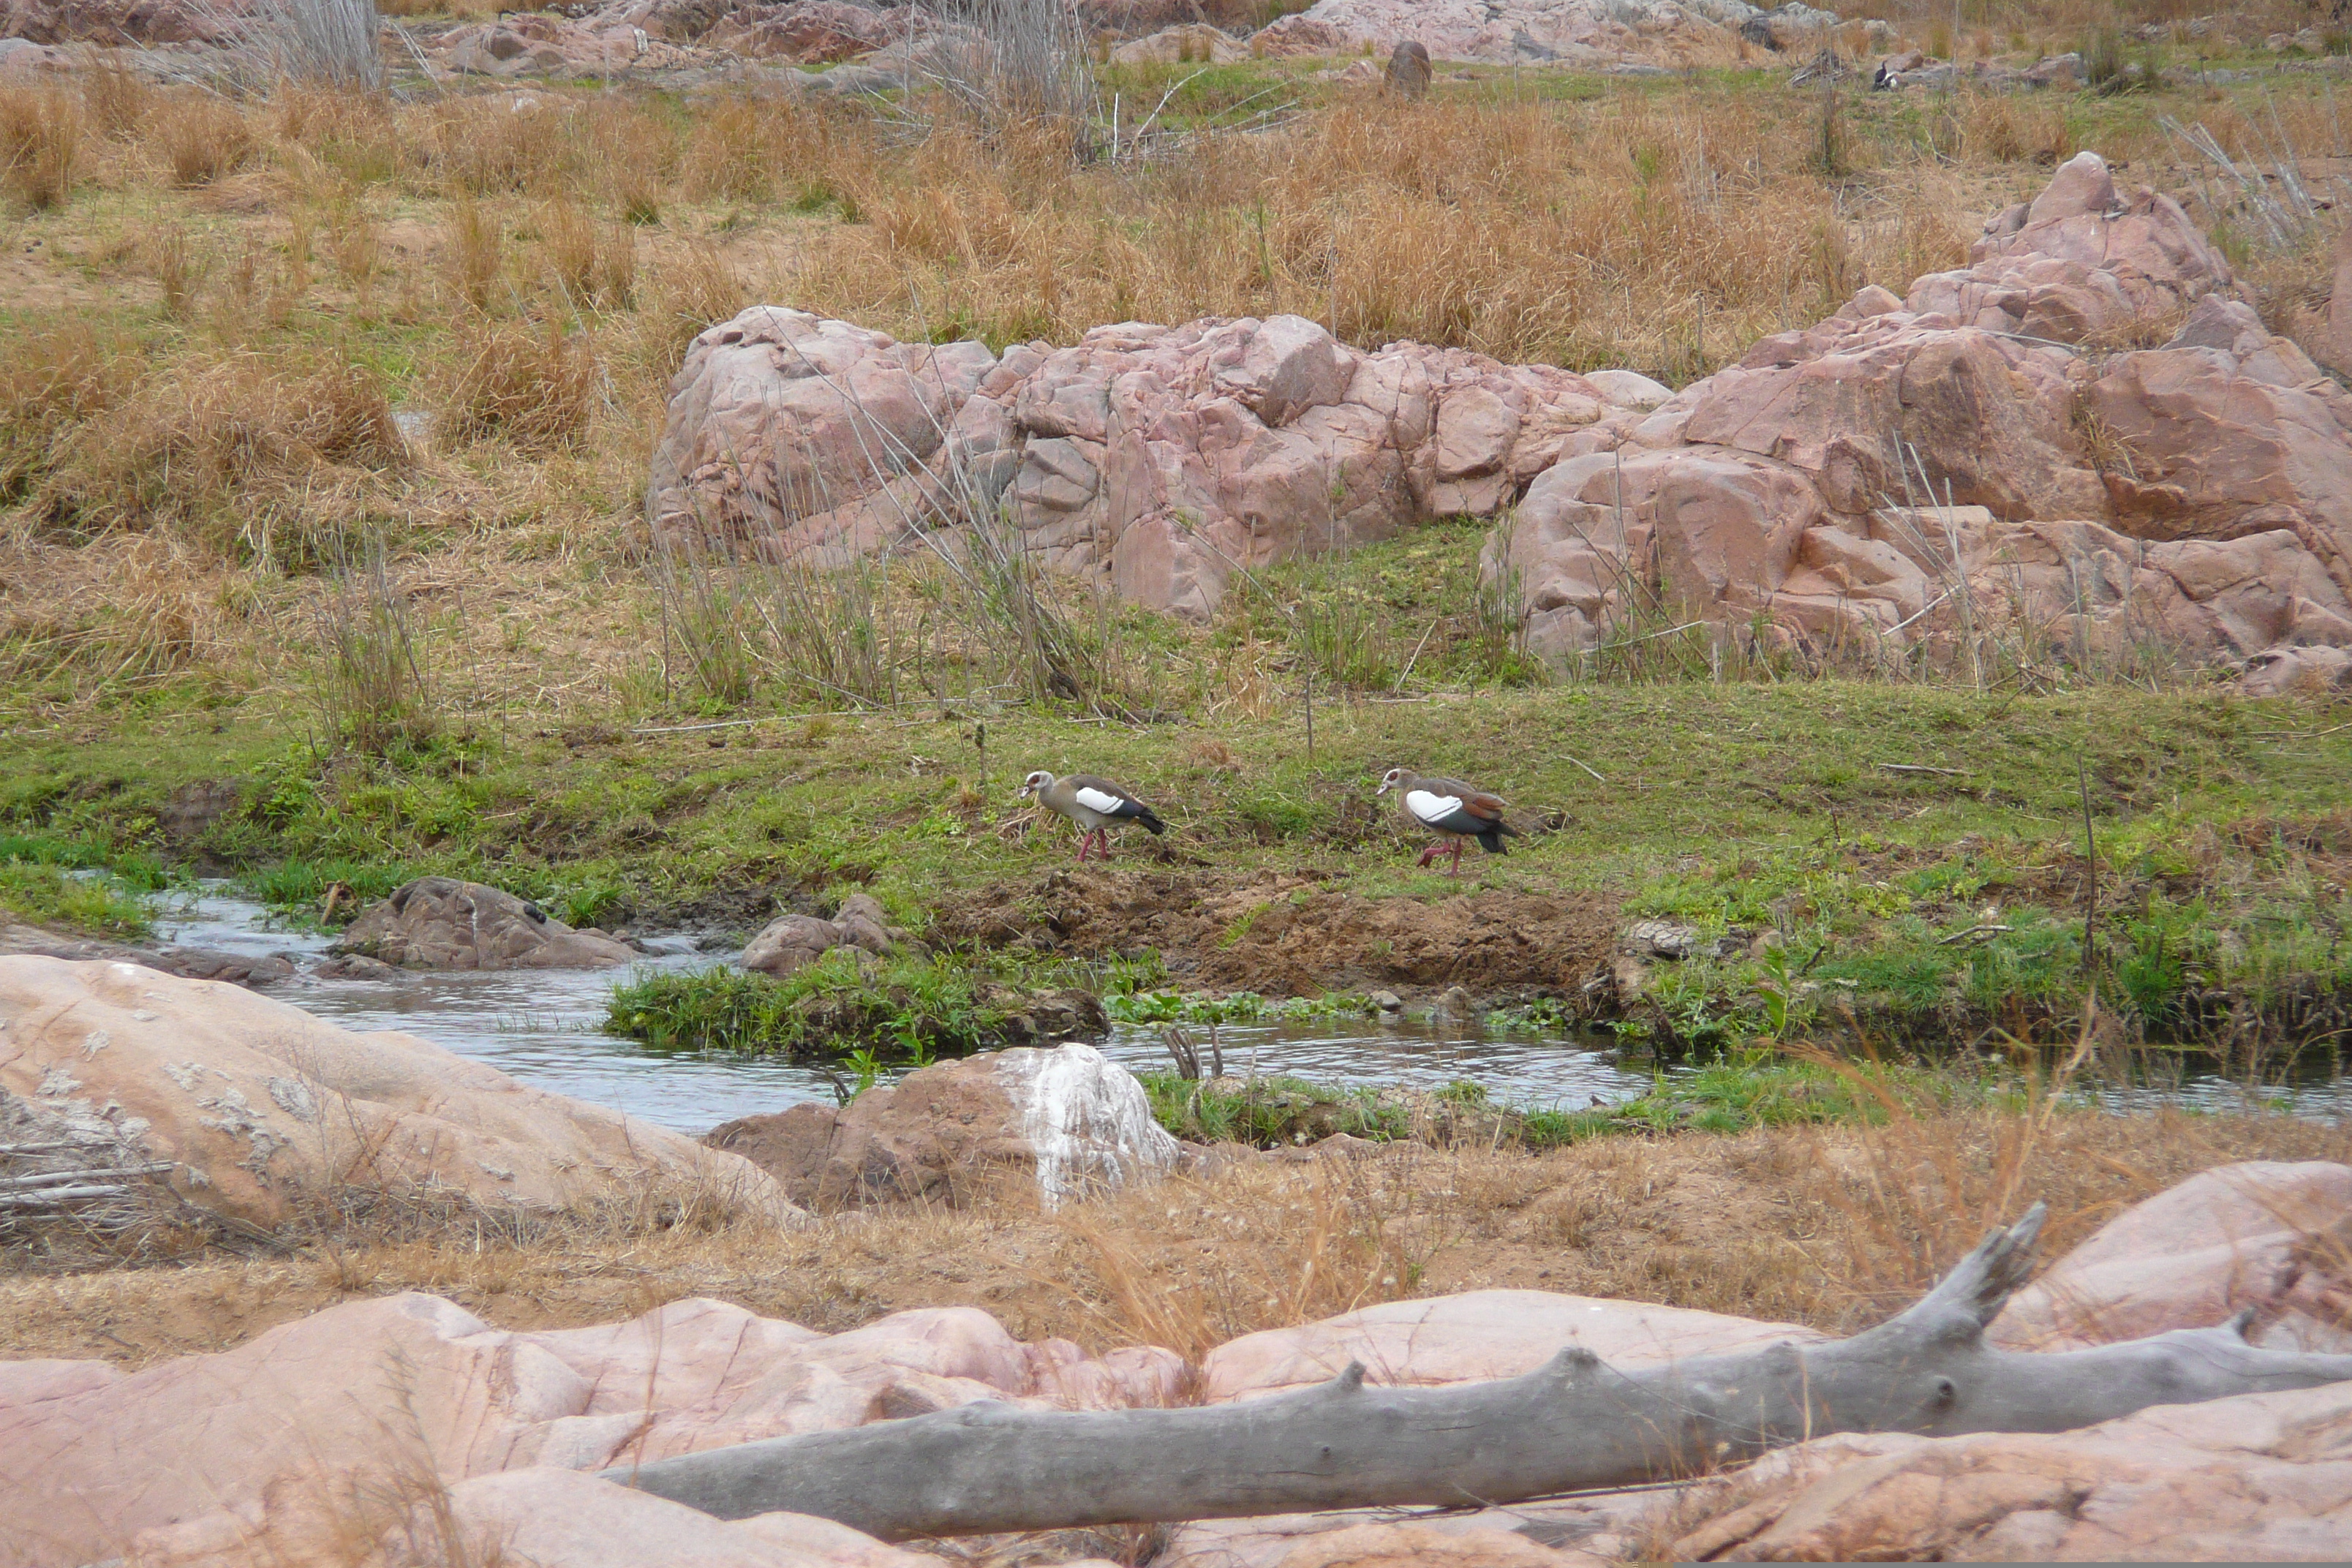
(202, 137)
(595, 265)
(374, 690)
(228, 436)
(40, 145)
(52, 379)
(477, 250)
(533, 385)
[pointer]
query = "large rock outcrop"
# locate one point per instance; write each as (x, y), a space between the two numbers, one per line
(1565, 32)
(1989, 457)
(440, 922)
(263, 1111)
(1065, 1117)
(1985, 454)
(1157, 460)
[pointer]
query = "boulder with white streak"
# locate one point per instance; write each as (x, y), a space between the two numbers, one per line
(1065, 1117)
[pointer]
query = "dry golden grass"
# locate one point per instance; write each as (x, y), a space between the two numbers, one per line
(533, 385)
(218, 439)
(40, 145)
(1657, 230)
(201, 137)
(1829, 1228)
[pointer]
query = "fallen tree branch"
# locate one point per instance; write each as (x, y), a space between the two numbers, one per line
(1573, 1424)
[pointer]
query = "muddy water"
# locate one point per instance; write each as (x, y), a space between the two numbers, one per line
(545, 1027)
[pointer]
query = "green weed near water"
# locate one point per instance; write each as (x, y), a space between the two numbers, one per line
(78, 884)
(904, 1009)
(1239, 1008)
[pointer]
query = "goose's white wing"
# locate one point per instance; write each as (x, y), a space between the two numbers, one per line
(1098, 800)
(1430, 808)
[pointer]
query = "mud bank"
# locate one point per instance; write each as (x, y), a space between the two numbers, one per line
(1288, 934)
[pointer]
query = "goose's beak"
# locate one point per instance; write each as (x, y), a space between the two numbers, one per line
(1383, 789)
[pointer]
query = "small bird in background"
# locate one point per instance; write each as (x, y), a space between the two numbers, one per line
(1448, 806)
(1092, 803)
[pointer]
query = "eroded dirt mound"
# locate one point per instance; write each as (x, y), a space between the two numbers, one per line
(1287, 934)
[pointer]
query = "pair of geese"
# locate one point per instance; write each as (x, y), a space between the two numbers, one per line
(1457, 811)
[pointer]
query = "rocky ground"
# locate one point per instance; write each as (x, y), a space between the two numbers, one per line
(366, 1385)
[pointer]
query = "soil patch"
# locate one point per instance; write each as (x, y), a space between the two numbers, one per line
(1287, 934)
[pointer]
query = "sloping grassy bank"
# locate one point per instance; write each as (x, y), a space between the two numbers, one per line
(1857, 893)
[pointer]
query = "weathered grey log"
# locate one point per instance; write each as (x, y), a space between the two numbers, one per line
(1572, 1424)
(57, 1197)
(67, 1178)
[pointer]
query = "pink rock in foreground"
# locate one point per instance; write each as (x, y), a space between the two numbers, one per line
(1480, 1334)
(2263, 1236)
(311, 1427)
(2258, 1478)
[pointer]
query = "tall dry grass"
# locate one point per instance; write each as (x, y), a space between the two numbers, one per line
(1658, 231)
(41, 131)
(212, 442)
(533, 385)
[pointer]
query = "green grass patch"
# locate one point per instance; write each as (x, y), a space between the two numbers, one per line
(908, 1010)
(80, 883)
(1169, 1006)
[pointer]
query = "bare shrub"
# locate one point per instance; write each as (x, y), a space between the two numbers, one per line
(1021, 60)
(532, 384)
(327, 41)
(40, 143)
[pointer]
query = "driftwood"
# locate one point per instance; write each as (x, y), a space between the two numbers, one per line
(1571, 1424)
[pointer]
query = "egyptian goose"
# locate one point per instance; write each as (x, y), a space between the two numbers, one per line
(1449, 807)
(1094, 804)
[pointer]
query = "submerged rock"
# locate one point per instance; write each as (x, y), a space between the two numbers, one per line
(791, 942)
(1069, 1118)
(439, 922)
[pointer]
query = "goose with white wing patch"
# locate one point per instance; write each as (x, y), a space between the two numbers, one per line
(1460, 811)
(1094, 804)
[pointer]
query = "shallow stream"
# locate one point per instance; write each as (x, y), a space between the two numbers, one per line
(544, 1027)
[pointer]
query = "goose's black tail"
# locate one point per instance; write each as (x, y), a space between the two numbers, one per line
(1150, 820)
